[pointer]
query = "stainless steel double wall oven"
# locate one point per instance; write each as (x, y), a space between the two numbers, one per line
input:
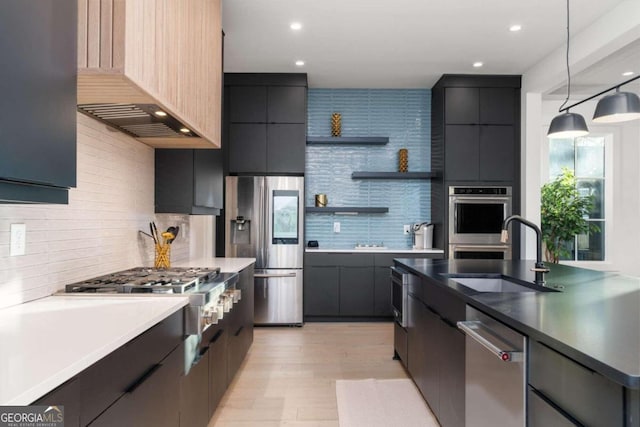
(475, 221)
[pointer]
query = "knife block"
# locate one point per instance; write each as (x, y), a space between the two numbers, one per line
(163, 256)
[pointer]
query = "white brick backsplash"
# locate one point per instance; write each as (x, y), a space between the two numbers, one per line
(97, 232)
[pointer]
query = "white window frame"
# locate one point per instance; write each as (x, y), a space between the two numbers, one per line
(609, 137)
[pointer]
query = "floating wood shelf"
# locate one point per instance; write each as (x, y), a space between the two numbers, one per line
(346, 210)
(348, 140)
(394, 175)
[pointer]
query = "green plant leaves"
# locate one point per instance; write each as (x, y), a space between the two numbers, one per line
(563, 214)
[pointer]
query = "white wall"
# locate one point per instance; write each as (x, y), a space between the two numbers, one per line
(611, 32)
(97, 232)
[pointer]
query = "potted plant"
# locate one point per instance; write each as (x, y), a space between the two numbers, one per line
(564, 214)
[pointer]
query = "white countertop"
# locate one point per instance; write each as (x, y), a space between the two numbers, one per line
(48, 341)
(227, 265)
(376, 250)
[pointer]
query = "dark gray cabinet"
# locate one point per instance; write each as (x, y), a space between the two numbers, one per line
(480, 105)
(188, 181)
(38, 103)
(194, 393)
(240, 324)
(321, 291)
(356, 291)
(67, 395)
(436, 350)
(540, 413)
(475, 128)
(266, 122)
(582, 394)
(218, 367)
(340, 286)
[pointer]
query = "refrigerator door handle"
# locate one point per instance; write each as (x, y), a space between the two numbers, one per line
(268, 276)
(265, 221)
(264, 290)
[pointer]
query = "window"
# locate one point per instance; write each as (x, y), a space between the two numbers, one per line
(586, 157)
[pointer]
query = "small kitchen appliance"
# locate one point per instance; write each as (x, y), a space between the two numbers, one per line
(423, 235)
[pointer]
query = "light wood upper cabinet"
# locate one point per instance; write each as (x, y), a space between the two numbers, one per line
(161, 52)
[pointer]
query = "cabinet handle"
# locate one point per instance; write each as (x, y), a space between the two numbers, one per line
(238, 331)
(216, 336)
(143, 378)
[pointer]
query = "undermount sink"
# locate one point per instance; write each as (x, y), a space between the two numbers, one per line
(492, 284)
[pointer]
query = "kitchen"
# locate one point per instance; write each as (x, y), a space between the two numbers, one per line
(97, 232)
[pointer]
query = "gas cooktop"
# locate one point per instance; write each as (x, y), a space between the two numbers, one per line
(148, 280)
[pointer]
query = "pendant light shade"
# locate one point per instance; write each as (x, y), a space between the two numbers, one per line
(567, 125)
(617, 107)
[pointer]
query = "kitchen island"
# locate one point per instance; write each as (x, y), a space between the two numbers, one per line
(585, 328)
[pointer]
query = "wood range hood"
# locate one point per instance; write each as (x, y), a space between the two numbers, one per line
(153, 69)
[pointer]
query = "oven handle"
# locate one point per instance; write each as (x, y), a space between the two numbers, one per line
(480, 199)
(471, 329)
(481, 248)
(269, 276)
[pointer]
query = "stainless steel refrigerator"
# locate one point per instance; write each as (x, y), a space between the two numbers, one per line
(264, 219)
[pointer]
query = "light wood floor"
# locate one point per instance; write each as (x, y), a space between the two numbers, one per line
(289, 376)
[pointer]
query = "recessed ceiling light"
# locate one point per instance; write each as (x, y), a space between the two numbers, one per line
(295, 26)
(515, 28)
(627, 73)
(478, 64)
(160, 113)
(184, 130)
(299, 63)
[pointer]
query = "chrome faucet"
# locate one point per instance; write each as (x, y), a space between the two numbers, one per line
(539, 269)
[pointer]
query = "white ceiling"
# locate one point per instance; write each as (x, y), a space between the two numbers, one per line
(399, 43)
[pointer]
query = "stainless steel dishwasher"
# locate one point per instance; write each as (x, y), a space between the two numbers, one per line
(495, 372)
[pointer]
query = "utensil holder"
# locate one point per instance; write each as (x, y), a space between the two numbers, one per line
(403, 160)
(163, 256)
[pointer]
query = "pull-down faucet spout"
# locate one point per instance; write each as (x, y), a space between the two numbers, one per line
(539, 269)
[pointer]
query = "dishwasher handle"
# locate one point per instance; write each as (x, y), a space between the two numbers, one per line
(471, 329)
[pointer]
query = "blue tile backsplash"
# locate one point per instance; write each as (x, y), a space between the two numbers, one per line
(404, 115)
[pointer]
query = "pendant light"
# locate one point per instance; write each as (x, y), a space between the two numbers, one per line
(567, 125)
(617, 107)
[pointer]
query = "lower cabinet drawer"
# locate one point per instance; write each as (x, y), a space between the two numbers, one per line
(542, 414)
(153, 401)
(585, 395)
(400, 342)
(108, 379)
(67, 395)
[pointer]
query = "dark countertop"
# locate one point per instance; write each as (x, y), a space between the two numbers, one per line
(595, 320)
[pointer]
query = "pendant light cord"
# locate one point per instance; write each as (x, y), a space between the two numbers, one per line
(567, 59)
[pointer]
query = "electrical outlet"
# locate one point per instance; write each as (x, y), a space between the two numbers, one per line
(18, 239)
(407, 229)
(336, 227)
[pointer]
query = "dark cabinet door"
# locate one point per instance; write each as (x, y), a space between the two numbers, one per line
(38, 103)
(452, 380)
(286, 145)
(247, 148)
(67, 395)
(462, 151)
(321, 286)
(498, 106)
(248, 104)
(194, 393)
(150, 401)
(188, 181)
(414, 340)
(356, 291)
(382, 292)
(217, 369)
(461, 105)
(496, 153)
(542, 414)
(431, 349)
(287, 104)
(208, 179)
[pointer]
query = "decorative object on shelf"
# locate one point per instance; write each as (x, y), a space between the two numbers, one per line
(321, 200)
(566, 124)
(348, 140)
(336, 124)
(403, 160)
